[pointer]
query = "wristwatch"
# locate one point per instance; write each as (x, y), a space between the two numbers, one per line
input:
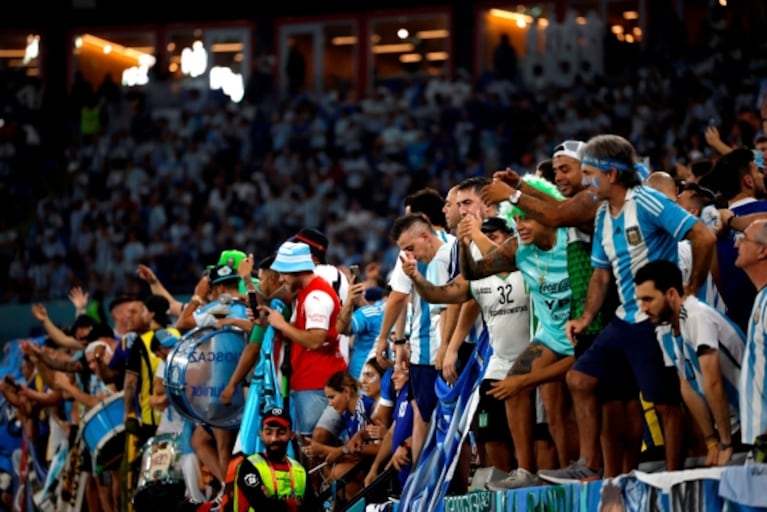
(514, 198)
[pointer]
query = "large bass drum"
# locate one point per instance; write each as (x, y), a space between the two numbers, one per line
(197, 371)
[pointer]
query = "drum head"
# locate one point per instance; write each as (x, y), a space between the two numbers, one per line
(198, 370)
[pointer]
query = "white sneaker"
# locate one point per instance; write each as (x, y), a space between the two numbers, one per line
(517, 479)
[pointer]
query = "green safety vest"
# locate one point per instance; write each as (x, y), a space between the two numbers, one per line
(278, 484)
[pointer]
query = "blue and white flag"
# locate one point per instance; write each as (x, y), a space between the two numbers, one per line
(427, 484)
(264, 393)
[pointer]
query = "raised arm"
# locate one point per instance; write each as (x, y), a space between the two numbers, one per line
(54, 333)
(703, 243)
(157, 288)
(500, 259)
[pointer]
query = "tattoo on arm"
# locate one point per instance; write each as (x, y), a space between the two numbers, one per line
(499, 259)
(524, 363)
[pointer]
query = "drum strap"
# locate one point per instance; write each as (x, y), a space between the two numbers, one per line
(148, 363)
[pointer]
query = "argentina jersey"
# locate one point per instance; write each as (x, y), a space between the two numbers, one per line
(545, 273)
(670, 345)
(753, 373)
(400, 282)
(365, 326)
(702, 326)
(708, 291)
(647, 228)
(425, 337)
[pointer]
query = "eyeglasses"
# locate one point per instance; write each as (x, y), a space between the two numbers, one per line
(741, 237)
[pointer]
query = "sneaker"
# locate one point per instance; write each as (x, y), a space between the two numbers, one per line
(517, 479)
(575, 472)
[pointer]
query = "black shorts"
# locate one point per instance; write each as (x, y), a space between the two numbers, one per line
(421, 388)
(492, 425)
(638, 345)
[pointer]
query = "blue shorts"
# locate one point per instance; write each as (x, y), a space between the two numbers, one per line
(308, 406)
(638, 345)
(421, 387)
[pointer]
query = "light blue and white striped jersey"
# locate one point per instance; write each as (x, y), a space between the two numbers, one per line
(424, 325)
(398, 280)
(647, 228)
(753, 374)
(701, 326)
(546, 275)
(708, 291)
(365, 325)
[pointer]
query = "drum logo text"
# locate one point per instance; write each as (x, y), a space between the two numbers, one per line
(203, 391)
(214, 357)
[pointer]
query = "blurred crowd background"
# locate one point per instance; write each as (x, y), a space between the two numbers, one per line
(142, 182)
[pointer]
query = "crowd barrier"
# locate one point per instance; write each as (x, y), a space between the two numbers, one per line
(741, 488)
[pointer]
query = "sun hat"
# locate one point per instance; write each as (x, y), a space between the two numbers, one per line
(293, 257)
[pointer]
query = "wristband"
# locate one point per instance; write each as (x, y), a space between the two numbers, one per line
(399, 341)
(729, 222)
(725, 446)
(345, 449)
(196, 298)
(514, 198)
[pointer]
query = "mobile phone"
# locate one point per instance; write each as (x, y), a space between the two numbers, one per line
(354, 270)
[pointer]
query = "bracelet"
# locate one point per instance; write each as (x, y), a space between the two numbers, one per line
(345, 449)
(399, 341)
(725, 446)
(514, 198)
(196, 298)
(712, 443)
(404, 445)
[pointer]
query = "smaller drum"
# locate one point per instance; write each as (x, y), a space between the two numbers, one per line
(104, 430)
(198, 369)
(160, 480)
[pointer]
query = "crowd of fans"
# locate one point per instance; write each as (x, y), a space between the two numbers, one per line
(399, 182)
(171, 186)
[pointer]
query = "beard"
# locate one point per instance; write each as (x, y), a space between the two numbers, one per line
(665, 314)
(276, 452)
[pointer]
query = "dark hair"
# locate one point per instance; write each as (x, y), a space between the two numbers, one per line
(378, 368)
(266, 263)
(546, 167)
(474, 183)
(663, 273)
(701, 167)
(701, 196)
(406, 222)
(729, 170)
(342, 380)
(428, 202)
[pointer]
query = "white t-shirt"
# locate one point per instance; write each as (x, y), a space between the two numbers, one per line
(171, 421)
(505, 306)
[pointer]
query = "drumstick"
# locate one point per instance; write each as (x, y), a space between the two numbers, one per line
(318, 467)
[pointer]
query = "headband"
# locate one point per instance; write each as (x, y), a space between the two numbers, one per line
(95, 344)
(605, 164)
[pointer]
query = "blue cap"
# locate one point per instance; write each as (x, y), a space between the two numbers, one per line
(166, 339)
